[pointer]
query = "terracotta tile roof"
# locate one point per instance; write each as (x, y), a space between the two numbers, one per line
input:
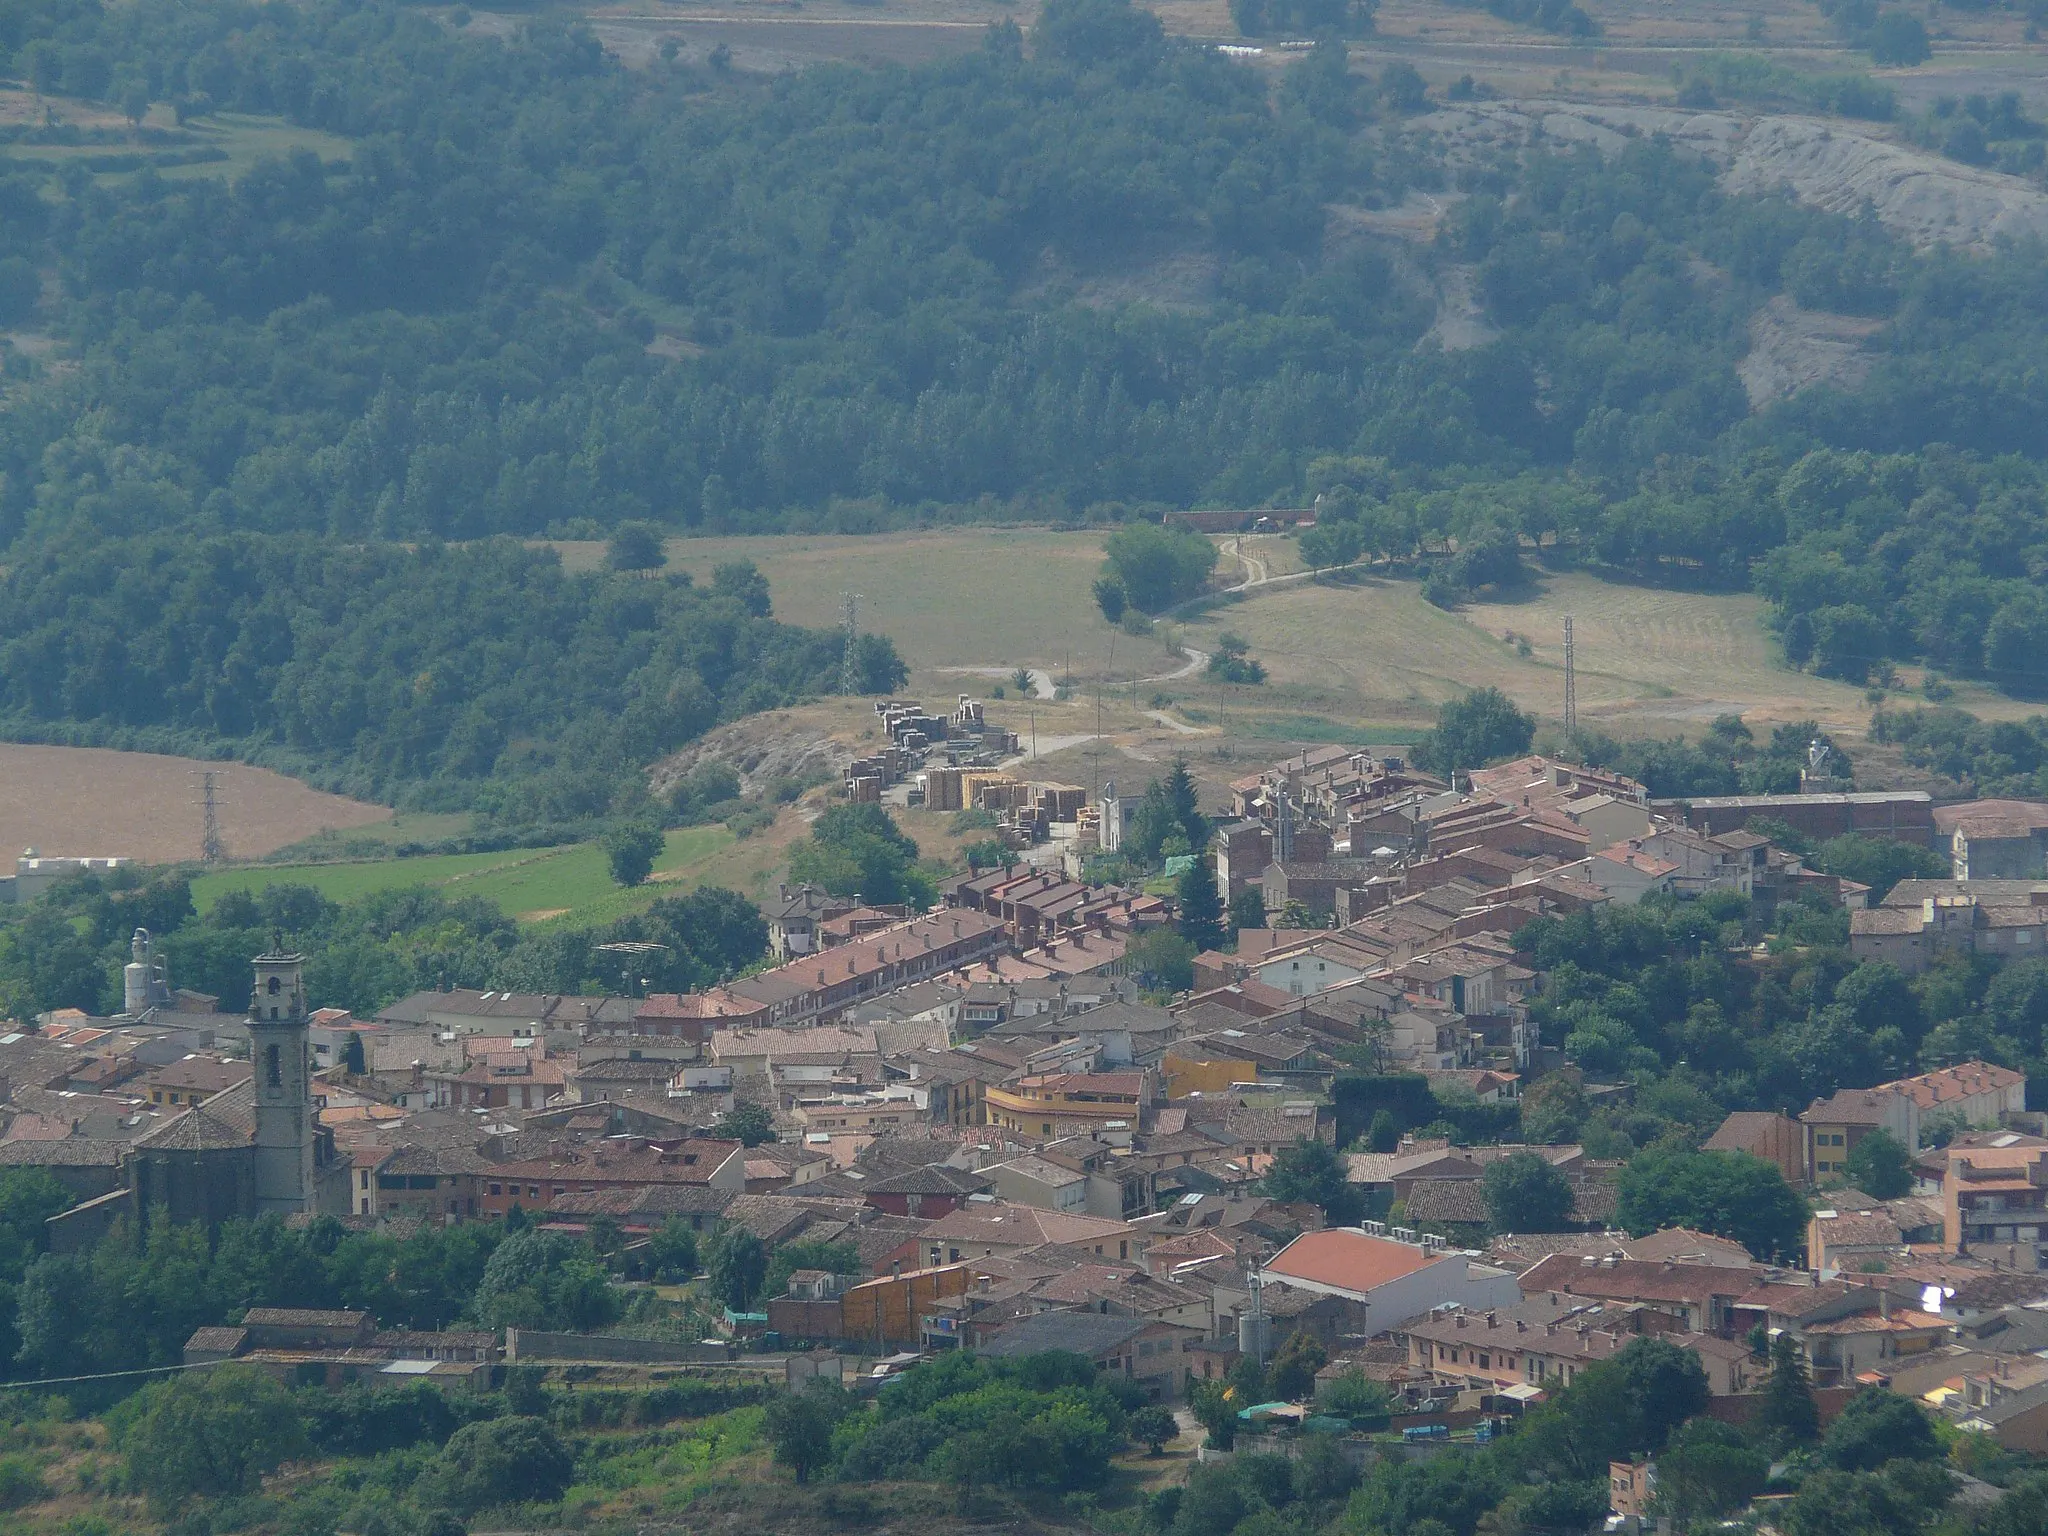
(1638, 1279)
(695, 1004)
(1782, 1300)
(656, 1202)
(1385, 1167)
(1447, 1200)
(931, 1179)
(1347, 1259)
(228, 1119)
(60, 1152)
(1873, 921)
(1902, 1320)
(2026, 813)
(1854, 1106)
(1857, 1229)
(1017, 1226)
(1744, 1129)
(1931, 1090)
(302, 1317)
(1082, 1333)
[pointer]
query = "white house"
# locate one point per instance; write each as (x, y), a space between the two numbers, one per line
(1312, 969)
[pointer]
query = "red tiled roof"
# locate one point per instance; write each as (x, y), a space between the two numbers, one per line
(1347, 1259)
(1930, 1090)
(714, 1004)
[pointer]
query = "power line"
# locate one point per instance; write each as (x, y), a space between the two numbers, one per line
(141, 1370)
(212, 850)
(1571, 682)
(849, 670)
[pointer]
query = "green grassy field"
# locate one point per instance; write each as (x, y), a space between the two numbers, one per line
(246, 140)
(955, 597)
(242, 140)
(571, 883)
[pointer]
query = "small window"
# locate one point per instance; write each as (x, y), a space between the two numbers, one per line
(273, 1063)
(274, 988)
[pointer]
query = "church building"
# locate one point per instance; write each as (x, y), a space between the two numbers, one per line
(255, 1149)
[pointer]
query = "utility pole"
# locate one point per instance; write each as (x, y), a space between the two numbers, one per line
(211, 849)
(1571, 683)
(1095, 752)
(849, 670)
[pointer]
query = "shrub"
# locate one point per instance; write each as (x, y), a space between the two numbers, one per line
(635, 547)
(213, 1434)
(21, 1482)
(631, 852)
(363, 1421)
(500, 1461)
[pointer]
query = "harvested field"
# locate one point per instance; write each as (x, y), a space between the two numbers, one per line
(1374, 656)
(1648, 660)
(86, 800)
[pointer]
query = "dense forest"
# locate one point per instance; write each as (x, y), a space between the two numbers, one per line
(66, 951)
(547, 294)
(478, 675)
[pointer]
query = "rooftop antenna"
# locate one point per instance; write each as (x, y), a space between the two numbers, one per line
(1571, 683)
(849, 672)
(211, 849)
(626, 951)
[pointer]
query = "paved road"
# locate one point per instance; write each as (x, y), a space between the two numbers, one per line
(1175, 725)
(1047, 745)
(1195, 662)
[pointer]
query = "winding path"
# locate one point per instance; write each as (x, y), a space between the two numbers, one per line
(1042, 685)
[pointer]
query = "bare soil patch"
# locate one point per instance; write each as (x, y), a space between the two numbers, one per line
(1791, 349)
(21, 107)
(87, 800)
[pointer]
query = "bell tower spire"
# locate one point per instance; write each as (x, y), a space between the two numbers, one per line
(283, 1085)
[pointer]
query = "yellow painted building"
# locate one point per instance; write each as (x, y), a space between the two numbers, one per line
(1204, 1074)
(1066, 1103)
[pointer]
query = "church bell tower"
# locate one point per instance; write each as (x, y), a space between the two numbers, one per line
(283, 1086)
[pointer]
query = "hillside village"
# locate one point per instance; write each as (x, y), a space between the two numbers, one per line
(1015, 1147)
